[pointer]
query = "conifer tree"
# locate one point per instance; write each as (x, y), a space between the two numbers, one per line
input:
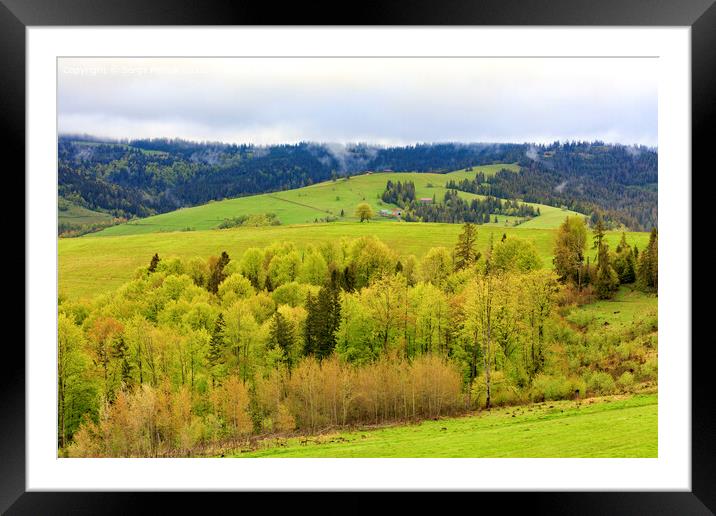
(465, 254)
(215, 355)
(624, 263)
(282, 336)
(216, 273)
(121, 353)
(348, 279)
(606, 281)
(322, 320)
(153, 264)
(648, 265)
(309, 331)
(598, 234)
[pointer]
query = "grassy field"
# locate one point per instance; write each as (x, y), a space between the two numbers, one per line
(627, 308)
(71, 213)
(604, 427)
(94, 264)
(102, 261)
(488, 170)
(306, 205)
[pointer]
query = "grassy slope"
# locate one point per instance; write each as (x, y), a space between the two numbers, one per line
(75, 214)
(609, 427)
(93, 264)
(623, 311)
(304, 205)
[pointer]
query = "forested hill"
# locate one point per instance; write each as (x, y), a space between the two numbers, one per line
(139, 178)
(618, 181)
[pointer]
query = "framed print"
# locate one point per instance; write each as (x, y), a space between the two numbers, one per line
(419, 253)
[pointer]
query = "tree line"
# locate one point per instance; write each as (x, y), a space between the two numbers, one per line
(625, 265)
(452, 209)
(139, 178)
(617, 181)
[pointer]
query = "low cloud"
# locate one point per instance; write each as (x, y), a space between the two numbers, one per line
(379, 101)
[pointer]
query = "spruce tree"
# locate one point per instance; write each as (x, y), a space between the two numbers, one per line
(309, 330)
(624, 263)
(153, 264)
(282, 337)
(606, 281)
(216, 274)
(215, 355)
(648, 264)
(598, 234)
(322, 320)
(349, 279)
(121, 352)
(465, 254)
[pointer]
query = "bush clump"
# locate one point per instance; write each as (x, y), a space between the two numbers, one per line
(601, 383)
(626, 381)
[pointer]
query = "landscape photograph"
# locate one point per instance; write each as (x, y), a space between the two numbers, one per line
(357, 257)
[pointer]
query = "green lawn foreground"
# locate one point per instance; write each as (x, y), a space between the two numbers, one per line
(615, 426)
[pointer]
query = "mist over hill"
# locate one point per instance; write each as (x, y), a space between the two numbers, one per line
(139, 178)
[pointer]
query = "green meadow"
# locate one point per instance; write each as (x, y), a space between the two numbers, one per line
(602, 427)
(627, 308)
(95, 264)
(71, 213)
(322, 200)
(100, 262)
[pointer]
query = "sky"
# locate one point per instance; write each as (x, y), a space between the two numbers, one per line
(385, 101)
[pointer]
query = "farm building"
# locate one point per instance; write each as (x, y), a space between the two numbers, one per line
(426, 200)
(395, 212)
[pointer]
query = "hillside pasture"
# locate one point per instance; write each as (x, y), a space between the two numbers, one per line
(616, 426)
(70, 213)
(320, 201)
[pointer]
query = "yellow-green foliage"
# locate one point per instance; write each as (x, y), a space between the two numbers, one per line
(163, 366)
(91, 264)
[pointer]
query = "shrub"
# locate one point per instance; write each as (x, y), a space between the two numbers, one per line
(581, 318)
(649, 370)
(626, 381)
(284, 421)
(255, 220)
(601, 382)
(502, 391)
(628, 349)
(571, 295)
(546, 387)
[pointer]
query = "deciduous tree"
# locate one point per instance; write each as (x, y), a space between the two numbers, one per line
(569, 250)
(364, 212)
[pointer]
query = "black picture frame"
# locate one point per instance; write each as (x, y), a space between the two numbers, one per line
(700, 15)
